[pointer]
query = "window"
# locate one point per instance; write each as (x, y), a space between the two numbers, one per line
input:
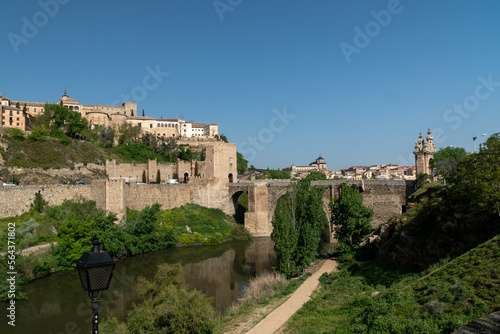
(150, 126)
(139, 125)
(158, 125)
(17, 119)
(18, 112)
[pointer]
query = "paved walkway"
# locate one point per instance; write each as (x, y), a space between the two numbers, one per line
(280, 316)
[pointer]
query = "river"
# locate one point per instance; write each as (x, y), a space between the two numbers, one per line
(57, 304)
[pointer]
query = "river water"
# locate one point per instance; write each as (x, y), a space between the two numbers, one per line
(57, 304)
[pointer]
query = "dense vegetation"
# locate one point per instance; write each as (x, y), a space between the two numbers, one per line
(350, 218)
(298, 223)
(274, 174)
(168, 307)
(370, 297)
(433, 269)
(78, 222)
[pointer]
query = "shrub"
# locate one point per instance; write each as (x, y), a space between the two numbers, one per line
(239, 233)
(168, 307)
(264, 286)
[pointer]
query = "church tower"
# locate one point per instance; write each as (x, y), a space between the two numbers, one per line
(424, 152)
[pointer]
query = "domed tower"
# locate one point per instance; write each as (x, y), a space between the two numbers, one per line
(424, 152)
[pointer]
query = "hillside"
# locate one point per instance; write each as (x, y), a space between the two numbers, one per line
(54, 158)
(367, 297)
(434, 227)
(431, 270)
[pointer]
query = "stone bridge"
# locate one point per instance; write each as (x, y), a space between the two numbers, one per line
(388, 199)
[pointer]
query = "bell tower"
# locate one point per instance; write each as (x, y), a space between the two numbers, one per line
(424, 152)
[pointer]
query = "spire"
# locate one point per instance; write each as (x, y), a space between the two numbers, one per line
(429, 135)
(65, 94)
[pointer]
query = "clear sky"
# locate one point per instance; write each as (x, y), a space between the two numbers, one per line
(354, 81)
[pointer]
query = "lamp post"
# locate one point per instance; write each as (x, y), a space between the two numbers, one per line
(474, 142)
(95, 268)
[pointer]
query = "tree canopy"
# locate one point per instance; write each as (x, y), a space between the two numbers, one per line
(298, 223)
(446, 159)
(315, 176)
(350, 218)
(242, 163)
(476, 177)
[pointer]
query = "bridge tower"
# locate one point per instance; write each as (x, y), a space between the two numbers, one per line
(424, 152)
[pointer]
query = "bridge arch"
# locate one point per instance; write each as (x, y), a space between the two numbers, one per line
(240, 205)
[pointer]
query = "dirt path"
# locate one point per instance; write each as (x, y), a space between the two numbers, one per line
(276, 319)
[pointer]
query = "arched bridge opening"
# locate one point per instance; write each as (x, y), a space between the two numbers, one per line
(240, 203)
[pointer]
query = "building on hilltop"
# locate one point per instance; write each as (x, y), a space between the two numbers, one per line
(424, 152)
(14, 117)
(105, 115)
(318, 165)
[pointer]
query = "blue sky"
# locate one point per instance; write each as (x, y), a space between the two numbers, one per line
(354, 81)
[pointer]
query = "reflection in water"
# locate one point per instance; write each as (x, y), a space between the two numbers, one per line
(57, 304)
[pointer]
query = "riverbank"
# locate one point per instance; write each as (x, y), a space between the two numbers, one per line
(72, 225)
(267, 314)
(220, 271)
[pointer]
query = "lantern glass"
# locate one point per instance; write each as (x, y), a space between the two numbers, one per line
(95, 268)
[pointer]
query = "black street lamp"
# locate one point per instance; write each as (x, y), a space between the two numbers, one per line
(95, 268)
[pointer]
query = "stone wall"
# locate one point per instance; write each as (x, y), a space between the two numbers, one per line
(387, 198)
(17, 200)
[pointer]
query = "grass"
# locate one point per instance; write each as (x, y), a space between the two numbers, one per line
(52, 153)
(206, 225)
(361, 299)
(264, 293)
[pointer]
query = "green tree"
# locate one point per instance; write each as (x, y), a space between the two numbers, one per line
(315, 176)
(241, 163)
(168, 307)
(127, 133)
(285, 235)
(15, 134)
(475, 180)
(298, 223)
(196, 172)
(185, 153)
(45, 119)
(107, 137)
(276, 174)
(143, 176)
(158, 176)
(350, 218)
(170, 149)
(142, 112)
(223, 138)
(17, 105)
(446, 159)
(24, 108)
(39, 203)
(75, 124)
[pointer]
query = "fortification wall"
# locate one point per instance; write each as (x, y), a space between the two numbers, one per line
(387, 197)
(128, 172)
(85, 169)
(17, 200)
(137, 197)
